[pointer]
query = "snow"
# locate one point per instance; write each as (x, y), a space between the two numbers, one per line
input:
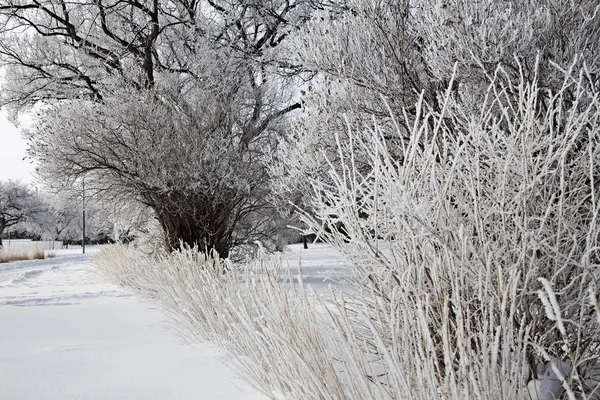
(67, 334)
(322, 266)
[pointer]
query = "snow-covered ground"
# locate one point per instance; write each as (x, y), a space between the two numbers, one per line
(322, 266)
(66, 334)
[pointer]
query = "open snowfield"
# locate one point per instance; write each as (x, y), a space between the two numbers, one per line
(66, 334)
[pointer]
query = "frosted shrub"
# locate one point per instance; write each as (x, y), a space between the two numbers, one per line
(459, 230)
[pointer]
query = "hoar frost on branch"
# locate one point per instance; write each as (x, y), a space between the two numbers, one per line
(170, 103)
(471, 217)
(376, 58)
(198, 176)
(450, 150)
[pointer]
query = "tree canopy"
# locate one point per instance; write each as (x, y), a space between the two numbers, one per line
(169, 103)
(18, 204)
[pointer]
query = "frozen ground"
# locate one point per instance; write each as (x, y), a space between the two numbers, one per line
(322, 266)
(66, 334)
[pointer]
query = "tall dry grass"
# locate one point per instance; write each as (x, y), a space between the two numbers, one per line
(265, 319)
(290, 343)
(23, 253)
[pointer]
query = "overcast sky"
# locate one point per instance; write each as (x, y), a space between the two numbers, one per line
(12, 151)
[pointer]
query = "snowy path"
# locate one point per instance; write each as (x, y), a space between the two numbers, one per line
(64, 334)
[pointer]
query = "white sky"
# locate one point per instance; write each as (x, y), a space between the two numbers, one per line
(12, 151)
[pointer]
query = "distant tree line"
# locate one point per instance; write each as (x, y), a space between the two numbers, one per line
(38, 215)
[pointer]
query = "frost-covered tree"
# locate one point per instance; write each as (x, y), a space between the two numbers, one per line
(400, 49)
(18, 204)
(131, 222)
(169, 103)
(62, 222)
(65, 223)
(64, 49)
(199, 175)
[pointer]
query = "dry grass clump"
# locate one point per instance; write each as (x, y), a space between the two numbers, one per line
(290, 343)
(24, 253)
(257, 313)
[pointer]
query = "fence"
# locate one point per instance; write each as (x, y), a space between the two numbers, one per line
(28, 243)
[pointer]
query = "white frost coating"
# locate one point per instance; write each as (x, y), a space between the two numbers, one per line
(544, 298)
(556, 313)
(469, 217)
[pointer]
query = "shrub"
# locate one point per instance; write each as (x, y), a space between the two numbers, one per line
(459, 230)
(288, 342)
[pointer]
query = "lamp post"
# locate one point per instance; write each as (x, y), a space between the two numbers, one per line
(83, 230)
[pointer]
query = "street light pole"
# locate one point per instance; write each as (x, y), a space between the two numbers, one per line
(83, 230)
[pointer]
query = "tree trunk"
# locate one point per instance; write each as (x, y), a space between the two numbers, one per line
(208, 236)
(198, 219)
